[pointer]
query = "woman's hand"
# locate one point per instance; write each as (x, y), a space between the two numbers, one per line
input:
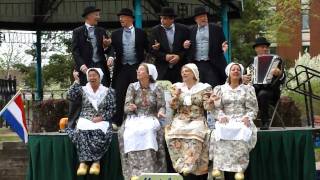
(247, 78)
(177, 92)
(97, 119)
(76, 76)
(246, 121)
(213, 98)
(223, 120)
(161, 115)
(132, 107)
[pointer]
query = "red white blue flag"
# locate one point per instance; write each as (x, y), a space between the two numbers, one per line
(13, 114)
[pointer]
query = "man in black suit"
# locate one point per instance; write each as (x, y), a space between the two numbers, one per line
(89, 43)
(168, 38)
(267, 94)
(129, 45)
(206, 46)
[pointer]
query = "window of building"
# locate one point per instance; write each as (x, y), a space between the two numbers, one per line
(305, 7)
(305, 19)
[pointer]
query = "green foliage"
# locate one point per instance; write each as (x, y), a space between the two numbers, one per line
(47, 113)
(270, 18)
(313, 63)
(29, 74)
(59, 70)
(244, 31)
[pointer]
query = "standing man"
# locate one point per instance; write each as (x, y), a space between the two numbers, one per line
(168, 38)
(267, 94)
(89, 43)
(206, 46)
(88, 46)
(129, 45)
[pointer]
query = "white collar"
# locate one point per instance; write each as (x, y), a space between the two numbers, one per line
(204, 27)
(131, 28)
(88, 26)
(95, 98)
(195, 88)
(227, 87)
(172, 26)
(187, 93)
(137, 86)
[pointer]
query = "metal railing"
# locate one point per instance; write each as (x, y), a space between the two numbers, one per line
(8, 88)
(303, 77)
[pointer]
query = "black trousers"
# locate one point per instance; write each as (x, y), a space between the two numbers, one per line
(266, 96)
(126, 75)
(173, 75)
(209, 74)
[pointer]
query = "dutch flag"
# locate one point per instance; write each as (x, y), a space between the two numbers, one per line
(13, 114)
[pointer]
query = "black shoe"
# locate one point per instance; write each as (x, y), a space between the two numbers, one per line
(265, 126)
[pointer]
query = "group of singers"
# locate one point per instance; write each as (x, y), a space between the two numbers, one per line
(192, 58)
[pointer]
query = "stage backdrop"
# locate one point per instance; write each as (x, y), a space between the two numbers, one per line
(278, 155)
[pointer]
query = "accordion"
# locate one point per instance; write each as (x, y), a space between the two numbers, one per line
(261, 68)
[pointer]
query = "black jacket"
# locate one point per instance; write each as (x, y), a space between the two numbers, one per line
(82, 48)
(216, 54)
(141, 45)
(180, 35)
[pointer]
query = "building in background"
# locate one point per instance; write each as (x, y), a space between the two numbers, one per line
(306, 33)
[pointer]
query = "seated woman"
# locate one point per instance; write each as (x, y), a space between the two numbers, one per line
(92, 135)
(187, 135)
(140, 136)
(235, 108)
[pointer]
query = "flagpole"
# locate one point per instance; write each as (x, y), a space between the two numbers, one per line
(3, 109)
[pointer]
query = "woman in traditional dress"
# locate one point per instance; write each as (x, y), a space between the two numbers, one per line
(140, 136)
(93, 133)
(187, 135)
(235, 108)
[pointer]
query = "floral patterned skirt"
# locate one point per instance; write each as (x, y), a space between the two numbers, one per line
(135, 163)
(231, 155)
(189, 154)
(91, 145)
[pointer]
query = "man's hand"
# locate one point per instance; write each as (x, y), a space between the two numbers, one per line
(187, 44)
(169, 57)
(175, 59)
(246, 78)
(84, 69)
(97, 119)
(276, 72)
(225, 46)
(156, 45)
(132, 107)
(106, 42)
(110, 61)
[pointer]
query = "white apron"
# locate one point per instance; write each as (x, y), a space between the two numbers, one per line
(85, 124)
(140, 133)
(232, 131)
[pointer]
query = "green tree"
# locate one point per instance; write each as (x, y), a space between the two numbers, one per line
(264, 17)
(29, 74)
(59, 70)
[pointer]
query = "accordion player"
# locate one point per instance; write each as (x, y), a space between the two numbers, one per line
(266, 75)
(262, 67)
